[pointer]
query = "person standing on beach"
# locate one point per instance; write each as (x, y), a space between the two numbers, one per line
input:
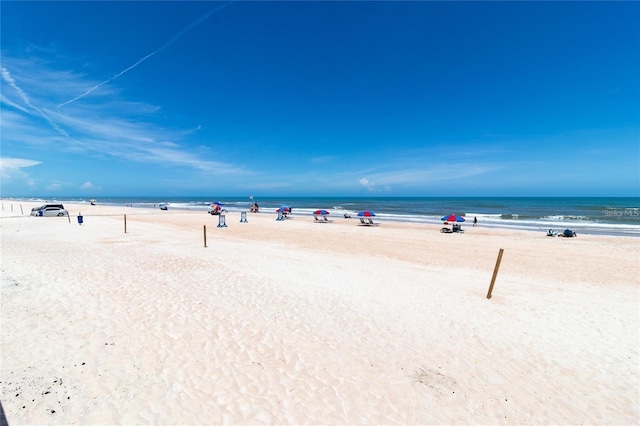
(475, 221)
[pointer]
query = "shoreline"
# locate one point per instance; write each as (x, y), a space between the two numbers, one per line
(580, 228)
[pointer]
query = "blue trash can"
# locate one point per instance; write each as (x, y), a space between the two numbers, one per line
(80, 219)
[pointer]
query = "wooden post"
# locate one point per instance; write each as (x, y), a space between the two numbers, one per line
(69, 217)
(205, 236)
(21, 212)
(125, 223)
(11, 208)
(495, 273)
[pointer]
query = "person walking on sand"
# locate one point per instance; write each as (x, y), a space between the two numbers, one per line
(475, 221)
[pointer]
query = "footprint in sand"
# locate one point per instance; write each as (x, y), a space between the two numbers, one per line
(442, 385)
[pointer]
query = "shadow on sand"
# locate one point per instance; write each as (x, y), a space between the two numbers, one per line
(3, 419)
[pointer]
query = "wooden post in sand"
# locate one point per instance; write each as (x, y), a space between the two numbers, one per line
(495, 273)
(21, 212)
(125, 223)
(205, 236)
(69, 217)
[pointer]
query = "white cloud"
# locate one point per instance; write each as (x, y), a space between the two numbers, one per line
(12, 167)
(54, 186)
(367, 184)
(87, 185)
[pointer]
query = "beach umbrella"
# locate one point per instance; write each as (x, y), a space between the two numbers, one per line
(216, 207)
(321, 212)
(366, 213)
(453, 218)
(284, 209)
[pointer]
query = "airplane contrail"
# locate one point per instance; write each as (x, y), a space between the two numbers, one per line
(160, 49)
(6, 76)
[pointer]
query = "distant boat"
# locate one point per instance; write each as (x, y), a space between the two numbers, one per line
(164, 206)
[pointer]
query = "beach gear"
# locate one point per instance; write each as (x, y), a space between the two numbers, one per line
(453, 218)
(366, 213)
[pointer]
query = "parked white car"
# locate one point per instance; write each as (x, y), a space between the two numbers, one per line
(50, 210)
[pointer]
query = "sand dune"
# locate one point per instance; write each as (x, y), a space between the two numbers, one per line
(295, 322)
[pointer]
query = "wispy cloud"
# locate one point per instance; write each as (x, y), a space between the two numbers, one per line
(144, 58)
(54, 186)
(12, 167)
(7, 78)
(107, 126)
(4, 100)
(322, 159)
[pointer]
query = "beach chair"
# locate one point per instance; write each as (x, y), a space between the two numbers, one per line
(371, 222)
(364, 222)
(324, 219)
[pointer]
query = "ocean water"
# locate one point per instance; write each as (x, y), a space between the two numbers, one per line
(588, 215)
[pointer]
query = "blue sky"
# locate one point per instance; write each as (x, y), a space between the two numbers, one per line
(320, 98)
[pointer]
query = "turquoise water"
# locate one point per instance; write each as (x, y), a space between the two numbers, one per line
(591, 215)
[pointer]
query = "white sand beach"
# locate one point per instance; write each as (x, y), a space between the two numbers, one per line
(295, 322)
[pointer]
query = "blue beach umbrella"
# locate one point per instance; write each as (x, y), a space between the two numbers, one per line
(321, 212)
(216, 207)
(366, 213)
(453, 218)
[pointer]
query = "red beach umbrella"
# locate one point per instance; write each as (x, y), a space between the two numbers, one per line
(453, 218)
